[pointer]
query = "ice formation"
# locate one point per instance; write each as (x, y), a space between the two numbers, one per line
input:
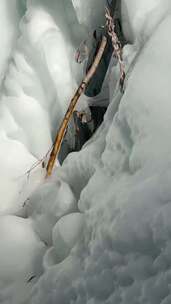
(97, 231)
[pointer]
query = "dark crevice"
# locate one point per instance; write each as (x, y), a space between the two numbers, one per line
(84, 130)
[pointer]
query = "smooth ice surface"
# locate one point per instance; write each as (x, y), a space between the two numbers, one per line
(97, 231)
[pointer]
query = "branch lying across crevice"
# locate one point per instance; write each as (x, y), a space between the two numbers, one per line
(62, 130)
(117, 51)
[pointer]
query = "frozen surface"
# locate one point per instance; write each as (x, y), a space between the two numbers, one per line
(98, 231)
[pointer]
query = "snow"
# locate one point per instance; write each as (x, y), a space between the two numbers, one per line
(9, 30)
(20, 257)
(49, 202)
(90, 13)
(66, 233)
(141, 18)
(98, 230)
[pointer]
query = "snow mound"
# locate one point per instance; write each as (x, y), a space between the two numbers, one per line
(49, 203)
(99, 230)
(125, 254)
(20, 256)
(140, 18)
(66, 233)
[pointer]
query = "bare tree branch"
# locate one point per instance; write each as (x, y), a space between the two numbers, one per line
(62, 130)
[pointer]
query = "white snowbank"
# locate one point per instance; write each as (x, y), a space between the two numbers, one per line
(140, 18)
(20, 258)
(32, 99)
(117, 250)
(124, 257)
(66, 233)
(9, 17)
(48, 204)
(90, 13)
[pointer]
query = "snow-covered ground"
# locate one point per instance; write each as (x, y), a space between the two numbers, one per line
(99, 230)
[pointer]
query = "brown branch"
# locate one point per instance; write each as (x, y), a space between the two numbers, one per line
(61, 132)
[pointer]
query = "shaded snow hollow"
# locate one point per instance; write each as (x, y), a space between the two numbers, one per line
(97, 231)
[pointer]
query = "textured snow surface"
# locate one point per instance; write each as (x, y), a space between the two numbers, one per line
(99, 230)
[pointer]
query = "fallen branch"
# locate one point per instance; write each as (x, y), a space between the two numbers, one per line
(62, 130)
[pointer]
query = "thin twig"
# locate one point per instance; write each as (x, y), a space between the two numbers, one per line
(36, 164)
(117, 47)
(39, 161)
(61, 132)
